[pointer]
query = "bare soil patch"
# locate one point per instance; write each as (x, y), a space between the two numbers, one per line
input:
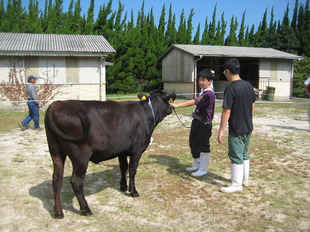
(277, 199)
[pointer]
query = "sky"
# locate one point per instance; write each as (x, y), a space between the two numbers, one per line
(203, 8)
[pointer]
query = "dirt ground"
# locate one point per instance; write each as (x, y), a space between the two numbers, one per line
(171, 200)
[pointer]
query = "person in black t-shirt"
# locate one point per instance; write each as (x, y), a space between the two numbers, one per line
(238, 109)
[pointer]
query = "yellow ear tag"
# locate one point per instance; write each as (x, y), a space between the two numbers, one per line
(143, 98)
(171, 100)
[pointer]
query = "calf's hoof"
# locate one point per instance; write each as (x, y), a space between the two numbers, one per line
(136, 194)
(87, 212)
(59, 215)
(123, 188)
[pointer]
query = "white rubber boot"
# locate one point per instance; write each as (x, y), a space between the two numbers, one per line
(246, 172)
(236, 179)
(204, 164)
(195, 166)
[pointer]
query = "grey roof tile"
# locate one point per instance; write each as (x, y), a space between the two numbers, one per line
(24, 43)
(233, 51)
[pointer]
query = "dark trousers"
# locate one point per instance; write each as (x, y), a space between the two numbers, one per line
(199, 137)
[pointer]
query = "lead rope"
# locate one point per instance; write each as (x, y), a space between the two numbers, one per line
(179, 118)
(151, 106)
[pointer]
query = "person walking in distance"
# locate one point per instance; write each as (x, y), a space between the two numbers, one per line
(33, 106)
(201, 127)
(238, 110)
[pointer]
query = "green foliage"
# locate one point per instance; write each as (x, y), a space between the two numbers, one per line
(301, 73)
(140, 42)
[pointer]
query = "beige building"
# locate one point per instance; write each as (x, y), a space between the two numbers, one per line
(262, 67)
(76, 63)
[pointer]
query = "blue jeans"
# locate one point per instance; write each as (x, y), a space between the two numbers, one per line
(33, 114)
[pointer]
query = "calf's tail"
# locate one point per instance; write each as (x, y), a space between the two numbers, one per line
(84, 121)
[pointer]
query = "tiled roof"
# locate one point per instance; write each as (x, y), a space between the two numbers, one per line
(54, 44)
(230, 51)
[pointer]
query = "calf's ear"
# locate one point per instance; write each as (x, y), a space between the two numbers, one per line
(169, 98)
(172, 97)
(142, 96)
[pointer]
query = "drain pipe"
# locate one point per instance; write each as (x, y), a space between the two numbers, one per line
(100, 78)
(195, 77)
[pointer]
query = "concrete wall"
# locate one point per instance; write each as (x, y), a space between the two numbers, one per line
(178, 67)
(179, 87)
(179, 70)
(280, 74)
(65, 92)
(79, 77)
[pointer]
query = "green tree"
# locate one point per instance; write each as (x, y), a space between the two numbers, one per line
(241, 35)
(232, 37)
(171, 33)
(287, 38)
(196, 39)
(3, 17)
(212, 28)
(221, 31)
(303, 29)
(181, 34)
(189, 29)
(301, 73)
(262, 31)
(89, 27)
(205, 40)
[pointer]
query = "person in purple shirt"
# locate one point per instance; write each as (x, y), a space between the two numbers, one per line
(201, 127)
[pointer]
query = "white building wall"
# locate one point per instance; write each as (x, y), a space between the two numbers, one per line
(89, 71)
(53, 69)
(280, 74)
(83, 83)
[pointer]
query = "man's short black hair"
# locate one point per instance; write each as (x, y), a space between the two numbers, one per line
(207, 73)
(233, 66)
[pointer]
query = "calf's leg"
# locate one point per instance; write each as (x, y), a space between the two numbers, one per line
(123, 164)
(58, 162)
(133, 164)
(77, 183)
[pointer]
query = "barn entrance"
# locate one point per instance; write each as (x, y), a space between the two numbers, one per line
(249, 71)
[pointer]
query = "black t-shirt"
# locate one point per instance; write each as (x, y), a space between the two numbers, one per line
(239, 98)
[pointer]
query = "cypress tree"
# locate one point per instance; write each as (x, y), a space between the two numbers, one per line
(189, 29)
(2, 16)
(162, 22)
(262, 31)
(171, 33)
(33, 22)
(295, 16)
(205, 35)
(221, 38)
(272, 38)
(241, 35)
(196, 39)
(212, 27)
(181, 34)
(287, 38)
(303, 29)
(90, 18)
(232, 37)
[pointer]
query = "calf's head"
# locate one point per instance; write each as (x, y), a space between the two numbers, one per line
(160, 100)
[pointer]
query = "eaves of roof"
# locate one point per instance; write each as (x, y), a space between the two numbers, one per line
(232, 51)
(24, 44)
